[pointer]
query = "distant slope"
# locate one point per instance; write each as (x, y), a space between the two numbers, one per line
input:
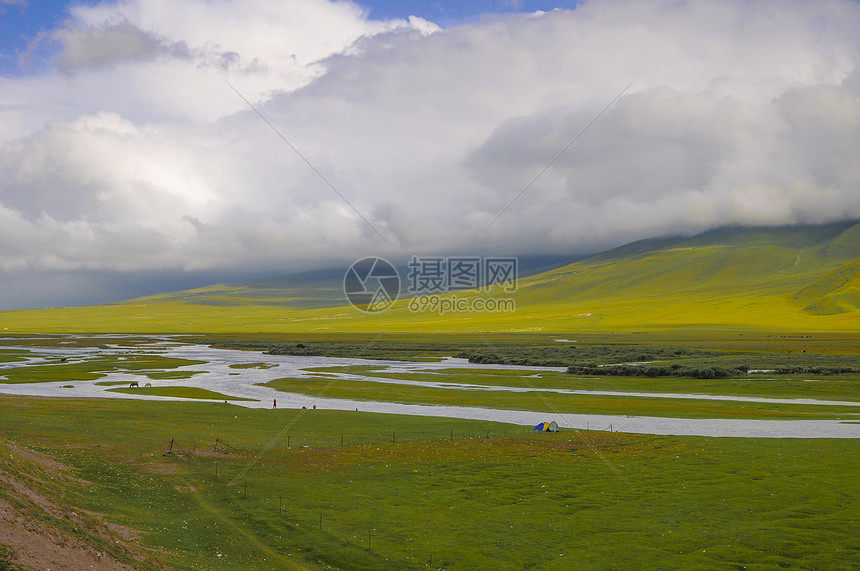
(305, 290)
(835, 292)
(315, 289)
(734, 276)
(787, 278)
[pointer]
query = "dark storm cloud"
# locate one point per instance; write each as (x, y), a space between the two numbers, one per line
(113, 44)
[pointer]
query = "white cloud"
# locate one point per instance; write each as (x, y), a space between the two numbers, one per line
(742, 112)
(164, 61)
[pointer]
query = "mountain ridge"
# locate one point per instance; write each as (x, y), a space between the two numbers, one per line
(788, 277)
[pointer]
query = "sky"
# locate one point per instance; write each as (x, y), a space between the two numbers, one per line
(148, 146)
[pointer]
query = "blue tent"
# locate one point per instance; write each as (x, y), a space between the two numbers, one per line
(547, 427)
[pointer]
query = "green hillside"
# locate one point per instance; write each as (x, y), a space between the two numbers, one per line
(789, 278)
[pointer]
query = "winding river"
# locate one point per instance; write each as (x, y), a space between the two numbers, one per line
(217, 375)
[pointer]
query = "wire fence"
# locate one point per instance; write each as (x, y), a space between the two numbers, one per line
(305, 439)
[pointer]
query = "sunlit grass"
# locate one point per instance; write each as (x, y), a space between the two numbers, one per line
(179, 392)
(252, 366)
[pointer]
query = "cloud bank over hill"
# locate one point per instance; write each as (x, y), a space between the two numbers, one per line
(124, 151)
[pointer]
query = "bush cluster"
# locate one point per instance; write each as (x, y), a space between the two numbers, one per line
(569, 355)
(520, 360)
(674, 370)
(814, 370)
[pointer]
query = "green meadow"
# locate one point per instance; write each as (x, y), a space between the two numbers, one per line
(362, 491)
(178, 392)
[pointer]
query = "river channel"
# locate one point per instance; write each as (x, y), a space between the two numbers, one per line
(216, 374)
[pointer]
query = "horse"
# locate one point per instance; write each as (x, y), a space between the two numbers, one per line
(133, 385)
(147, 385)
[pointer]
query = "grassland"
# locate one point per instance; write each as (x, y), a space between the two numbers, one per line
(791, 279)
(178, 392)
(399, 491)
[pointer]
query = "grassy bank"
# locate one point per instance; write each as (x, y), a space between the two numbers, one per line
(562, 403)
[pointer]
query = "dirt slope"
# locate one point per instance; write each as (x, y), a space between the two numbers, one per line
(39, 531)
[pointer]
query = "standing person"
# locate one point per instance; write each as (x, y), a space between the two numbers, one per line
(274, 403)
